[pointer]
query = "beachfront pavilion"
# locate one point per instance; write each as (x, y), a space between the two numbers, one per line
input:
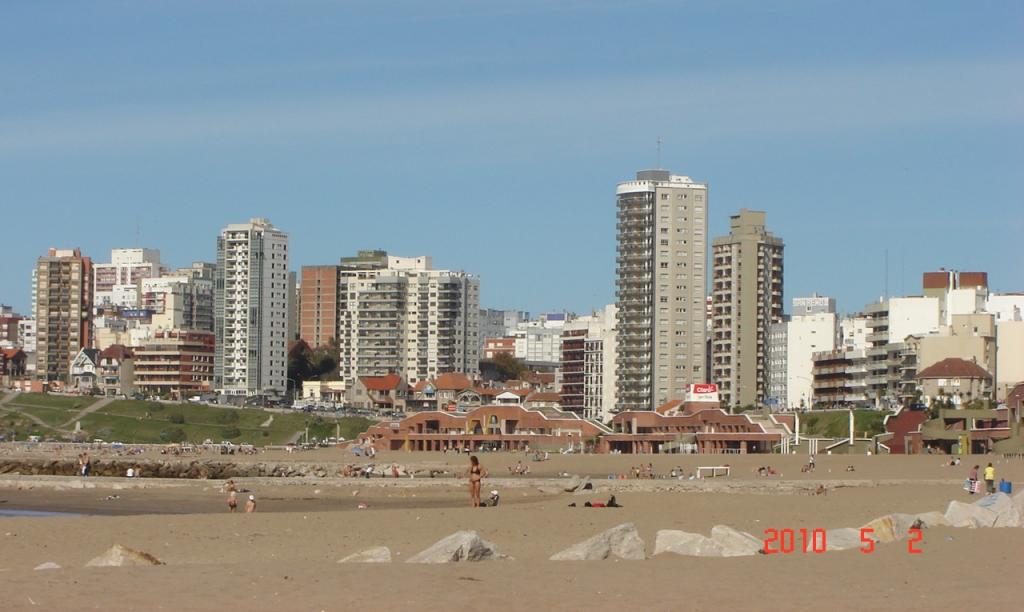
(693, 427)
(495, 427)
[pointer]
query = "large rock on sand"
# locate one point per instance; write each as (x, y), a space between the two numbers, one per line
(122, 556)
(622, 541)
(573, 484)
(1003, 507)
(458, 547)
(735, 543)
(377, 554)
(960, 514)
(843, 538)
(891, 527)
(685, 543)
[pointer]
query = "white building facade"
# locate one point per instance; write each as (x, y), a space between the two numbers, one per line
(116, 284)
(251, 310)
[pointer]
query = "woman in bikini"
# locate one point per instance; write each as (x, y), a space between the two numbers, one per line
(476, 474)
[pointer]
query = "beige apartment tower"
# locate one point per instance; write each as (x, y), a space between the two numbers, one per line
(660, 288)
(63, 311)
(746, 298)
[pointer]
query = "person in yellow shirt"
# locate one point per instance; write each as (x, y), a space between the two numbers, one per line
(990, 479)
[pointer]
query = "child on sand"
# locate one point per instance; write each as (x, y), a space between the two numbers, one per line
(250, 506)
(232, 500)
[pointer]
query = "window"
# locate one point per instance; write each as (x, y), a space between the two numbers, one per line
(664, 196)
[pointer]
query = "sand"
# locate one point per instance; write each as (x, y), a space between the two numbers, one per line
(284, 556)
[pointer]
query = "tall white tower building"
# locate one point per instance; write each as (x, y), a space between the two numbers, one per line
(661, 285)
(251, 309)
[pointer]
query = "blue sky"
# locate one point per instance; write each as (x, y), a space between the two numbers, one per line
(491, 135)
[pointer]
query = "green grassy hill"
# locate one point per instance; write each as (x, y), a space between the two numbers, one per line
(866, 423)
(143, 422)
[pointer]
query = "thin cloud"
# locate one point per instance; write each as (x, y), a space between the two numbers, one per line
(717, 105)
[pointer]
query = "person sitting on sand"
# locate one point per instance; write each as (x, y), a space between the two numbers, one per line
(849, 468)
(250, 506)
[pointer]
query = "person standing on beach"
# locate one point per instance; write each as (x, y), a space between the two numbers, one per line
(250, 506)
(232, 500)
(476, 474)
(990, 479)
(810, 463)
(972, 480)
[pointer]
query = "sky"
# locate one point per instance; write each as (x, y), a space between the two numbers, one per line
(491, 135)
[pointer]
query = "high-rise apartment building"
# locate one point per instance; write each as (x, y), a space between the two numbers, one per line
(747, 290)
(116, 284)
(178, 301)
(661, 284)
(499, 323)
(319, 316)
(393, 315)
(587, 370)
(63, 303)
(251, 309)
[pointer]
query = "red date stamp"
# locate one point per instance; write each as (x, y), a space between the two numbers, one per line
(815, 541)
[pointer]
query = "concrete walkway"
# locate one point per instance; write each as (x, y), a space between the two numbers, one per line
(28, 416)
(93, 407)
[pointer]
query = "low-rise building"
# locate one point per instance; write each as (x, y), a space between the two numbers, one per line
(499, 346)
(84, 368)
(116, 370)
(954, 381)
(694, 425)
(175, 363)
(508, 427)
(378, 393)
(839, 379)
(13, 365)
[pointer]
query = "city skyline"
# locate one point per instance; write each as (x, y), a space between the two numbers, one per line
(304, 114)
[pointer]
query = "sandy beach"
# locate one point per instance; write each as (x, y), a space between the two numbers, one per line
(284, 556)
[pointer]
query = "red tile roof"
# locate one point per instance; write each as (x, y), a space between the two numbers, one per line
(389, 382)
(452, 381)
(1016, 396)
(954, 367)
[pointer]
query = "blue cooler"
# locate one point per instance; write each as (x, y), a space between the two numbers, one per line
(1005, 487)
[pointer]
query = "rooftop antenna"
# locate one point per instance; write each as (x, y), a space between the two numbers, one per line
(887, 274)
(659, 152)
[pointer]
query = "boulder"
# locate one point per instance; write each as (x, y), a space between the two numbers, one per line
(377, 554)
(1018, 502)
(458, 547)
(932, 519)
(622, 541)
(890, 527)
(959, 514)
(122, 556)
(1003, 507)
(844, 538)
(685, 543)
(585, 486)
(574, 483)
(735, 543)
(46, 566)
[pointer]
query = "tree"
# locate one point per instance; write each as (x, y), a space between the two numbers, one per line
(509, 367)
